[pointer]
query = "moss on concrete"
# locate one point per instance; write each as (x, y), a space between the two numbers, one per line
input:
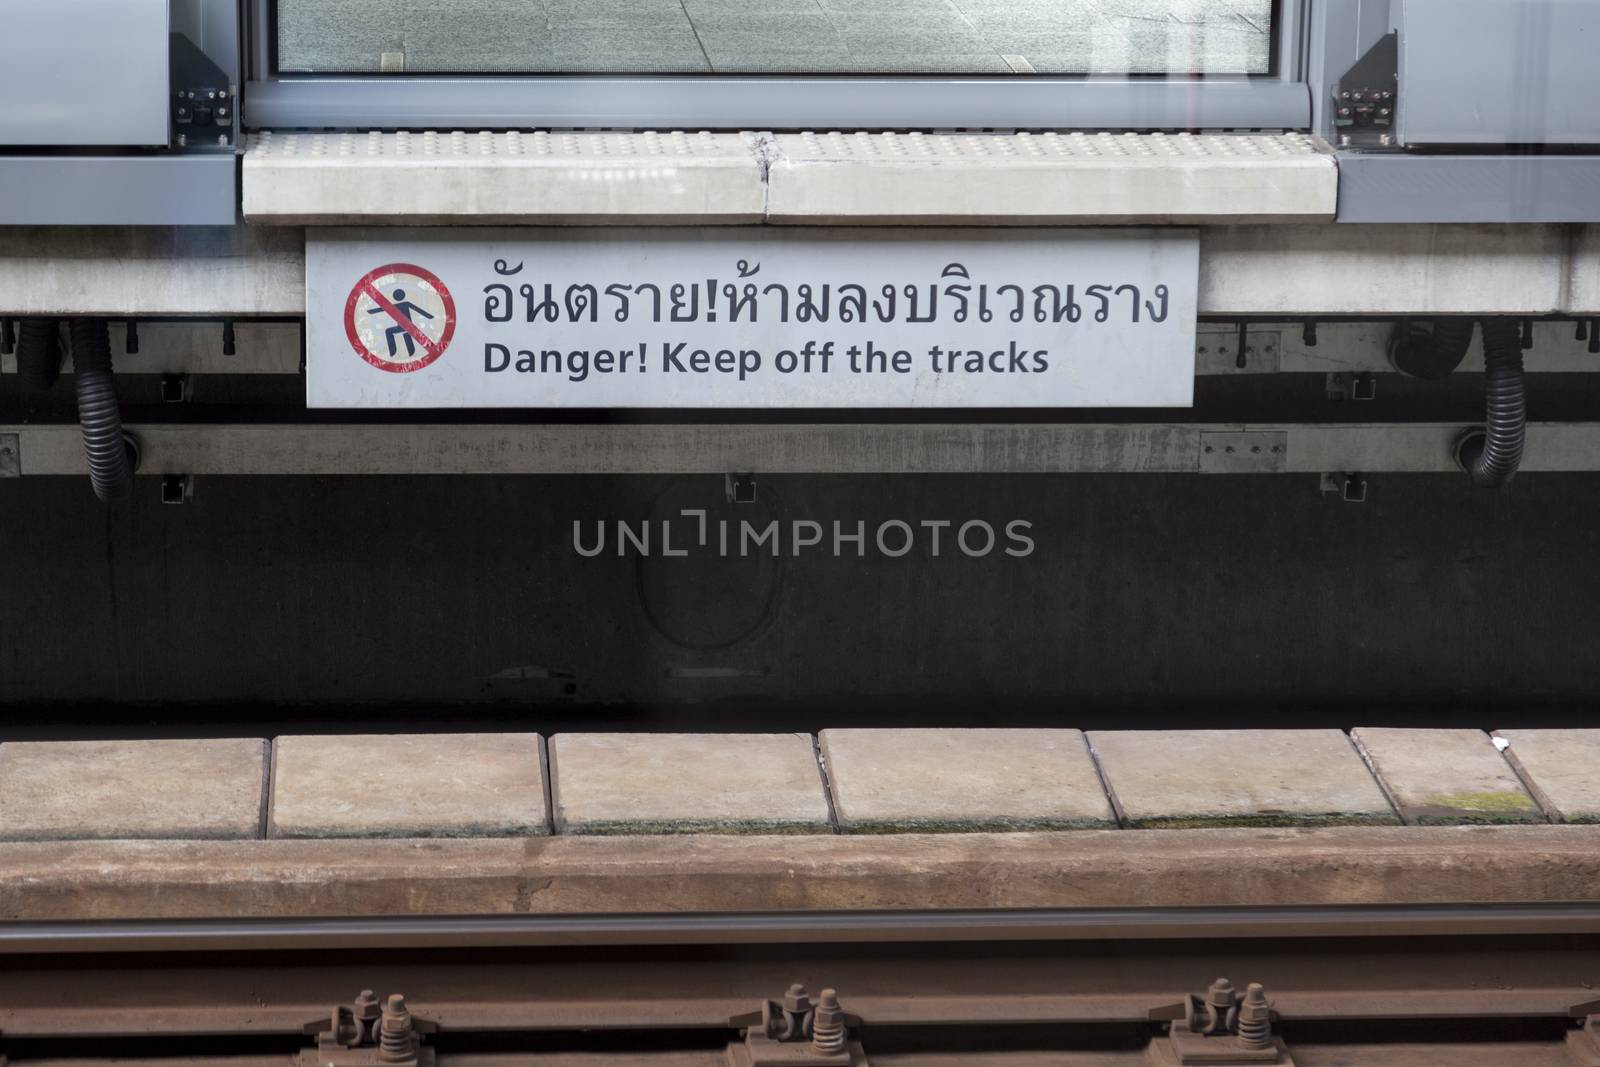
(663, 827)
(1478, 808)
(1203, 821)
(971, 826)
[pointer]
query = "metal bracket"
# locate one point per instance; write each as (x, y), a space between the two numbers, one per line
(1220, 1028)
(1583, 1044)
(797, 1032)
(10, 455)
(367, 1034)
(176, 389)
(1217, 352)
(1184, 1050)
(176, 488)
(337, 1056)
(1346, 386)
(1350, 486)
(758, 1051)
(1365, 99)
(1243, 452)
(739, 488)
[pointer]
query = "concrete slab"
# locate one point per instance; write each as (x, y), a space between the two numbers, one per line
(1560, 767)
(687, 783)
(70, 881)
(408, 785)
(1410, 269)
(944, 781)
(153, 270)
(1186, 778)
(1265, 270)
(1446, 777)
(75, 790)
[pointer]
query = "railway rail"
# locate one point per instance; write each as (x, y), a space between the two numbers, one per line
(1352, 986)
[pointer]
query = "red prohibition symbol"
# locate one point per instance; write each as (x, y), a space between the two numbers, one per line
(400, 317)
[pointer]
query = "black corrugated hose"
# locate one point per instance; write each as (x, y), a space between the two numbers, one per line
(1493, 456)
(110, 471)
(1430, 348)
(38, 353)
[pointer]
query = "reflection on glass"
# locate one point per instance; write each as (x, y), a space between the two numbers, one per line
(776, 36)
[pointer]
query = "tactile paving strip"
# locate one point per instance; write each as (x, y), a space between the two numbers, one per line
(599, 177)
(1048, 146)
(487, 144)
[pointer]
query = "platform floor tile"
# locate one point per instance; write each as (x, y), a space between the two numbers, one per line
(687, 783)
(408, 785)
(1182, 778)
(1446, 777)
(80, 790)
(954, 781)
(1562, 767)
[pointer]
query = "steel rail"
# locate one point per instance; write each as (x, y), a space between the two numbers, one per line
(812, 927)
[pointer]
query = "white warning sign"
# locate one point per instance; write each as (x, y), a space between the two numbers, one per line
(750, 317)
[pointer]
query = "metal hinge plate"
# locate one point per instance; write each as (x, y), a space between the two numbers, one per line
(360, 1057)
(1243, 452)
(1183, 1049)
(1217, 352)
(757, 1051)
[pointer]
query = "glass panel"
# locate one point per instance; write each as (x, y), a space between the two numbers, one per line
(776, 36)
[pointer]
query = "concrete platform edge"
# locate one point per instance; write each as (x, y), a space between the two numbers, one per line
(125, 880)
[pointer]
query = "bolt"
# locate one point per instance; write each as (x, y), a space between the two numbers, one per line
(367, 1011)
(1255, 1018)
(1219, 1001)
(1344, 140)
(397, 1041)
(797, 999)
(1385, 140)
(828, 1034)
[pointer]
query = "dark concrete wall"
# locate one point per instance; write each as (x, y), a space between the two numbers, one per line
(1146, 596)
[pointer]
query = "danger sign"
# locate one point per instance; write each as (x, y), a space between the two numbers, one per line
(400, 317)
(751, 318)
